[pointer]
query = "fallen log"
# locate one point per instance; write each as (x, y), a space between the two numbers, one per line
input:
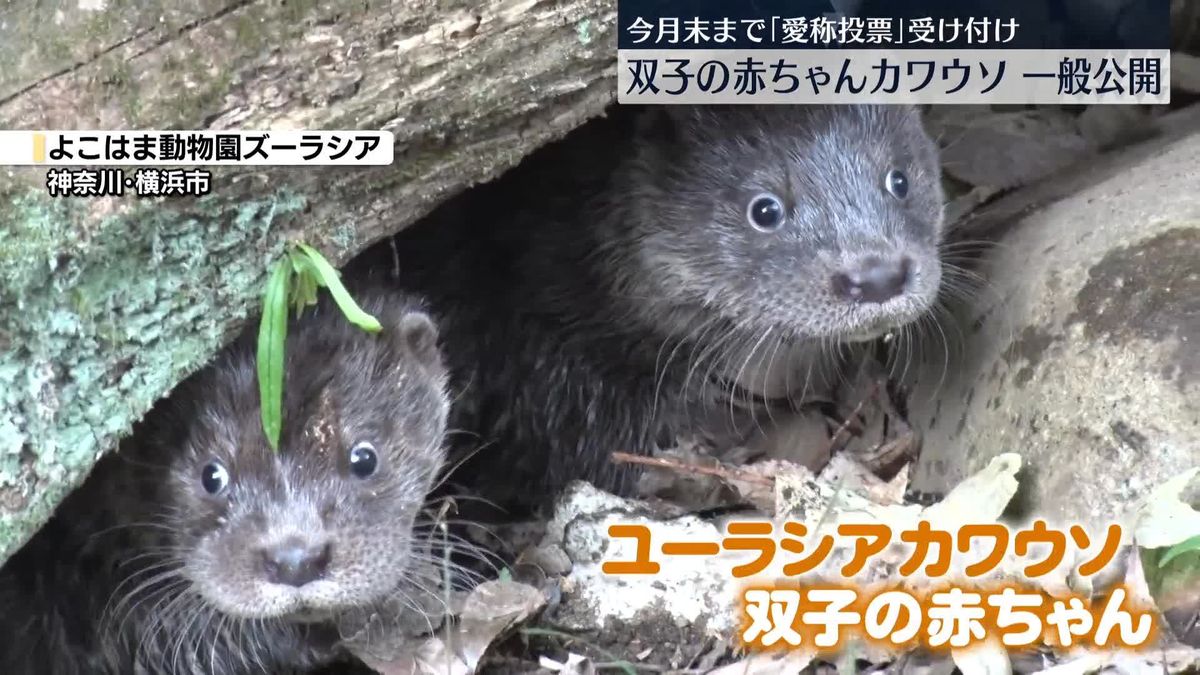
(105, 304)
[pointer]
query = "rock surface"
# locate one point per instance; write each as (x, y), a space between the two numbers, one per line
(1082, 351)
(696, 593)
(699, 596)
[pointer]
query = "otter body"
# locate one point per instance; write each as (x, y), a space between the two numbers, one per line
(198, 549)
(687, 266)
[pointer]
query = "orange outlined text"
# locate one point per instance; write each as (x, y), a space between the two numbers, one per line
(931, 549)
(945, 618)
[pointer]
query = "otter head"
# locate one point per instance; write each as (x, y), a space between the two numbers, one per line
(812, 221)
(325, 523)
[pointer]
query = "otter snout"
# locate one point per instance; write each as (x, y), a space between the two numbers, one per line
(873, 279)
(296, 562)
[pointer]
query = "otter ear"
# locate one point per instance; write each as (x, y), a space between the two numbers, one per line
(420, 336)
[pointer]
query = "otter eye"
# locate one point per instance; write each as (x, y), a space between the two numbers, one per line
(363, 460)
(765, 212)
(897, 183)
(214, 477)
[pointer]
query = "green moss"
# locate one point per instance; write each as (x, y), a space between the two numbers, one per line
(99, 317)
(298, 10)
(245, 29)
(345, 236)
(41, 39)
(584, 30)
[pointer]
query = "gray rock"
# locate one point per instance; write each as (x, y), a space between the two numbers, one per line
(1007, 149)
(1185, 72)
(550, 560)
(696, 593)
(1082, 352)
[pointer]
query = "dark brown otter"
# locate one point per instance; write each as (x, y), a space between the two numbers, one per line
(658, 271)
(198, 549)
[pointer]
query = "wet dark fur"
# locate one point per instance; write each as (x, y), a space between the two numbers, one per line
(142, 564)
(589, 300)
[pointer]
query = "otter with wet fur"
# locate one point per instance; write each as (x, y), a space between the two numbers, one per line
(691, 261)
(198, 549)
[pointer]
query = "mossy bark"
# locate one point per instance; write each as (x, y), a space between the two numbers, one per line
(106, 303)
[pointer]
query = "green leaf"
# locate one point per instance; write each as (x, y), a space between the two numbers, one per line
(1185, 546)
(306, 282)
(272, 332)
(304, 293)
(303, 264)
(329, 278)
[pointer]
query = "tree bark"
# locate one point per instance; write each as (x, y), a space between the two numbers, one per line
(105, 304)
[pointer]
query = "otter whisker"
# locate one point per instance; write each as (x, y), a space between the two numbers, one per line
(707, 349)
(157, 576)
(661, 371)
(767, 378)
(738, 376)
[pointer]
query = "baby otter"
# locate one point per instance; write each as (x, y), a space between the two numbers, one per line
(198, 549)
(694, 261)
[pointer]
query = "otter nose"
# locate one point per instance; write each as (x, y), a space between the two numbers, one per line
(873, 279)
(295, 562)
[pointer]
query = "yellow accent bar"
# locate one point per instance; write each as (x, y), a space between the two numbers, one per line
(39, 147)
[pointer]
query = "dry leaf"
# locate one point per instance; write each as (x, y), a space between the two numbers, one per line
(1163, 518)
(847, 471)
(576, 664)
(491, 609)
(1172, 661)
(980, 498)
(989, 658)
(768, 663)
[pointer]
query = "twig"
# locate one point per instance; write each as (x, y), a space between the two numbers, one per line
(897, 447)
(836, 437)
(672, 465)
